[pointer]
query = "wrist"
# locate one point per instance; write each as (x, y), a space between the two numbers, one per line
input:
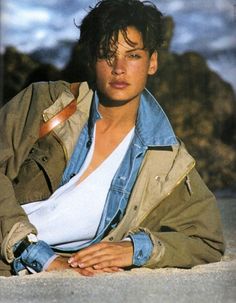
(22, 245)
(35, 257)
(143, 247)
(46, 266)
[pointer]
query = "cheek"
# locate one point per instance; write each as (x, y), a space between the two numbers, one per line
(99, 75)
(139, 70)
(140, 75)
(102, 72)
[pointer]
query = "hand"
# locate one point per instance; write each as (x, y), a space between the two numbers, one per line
(104, 255)
(61, 263)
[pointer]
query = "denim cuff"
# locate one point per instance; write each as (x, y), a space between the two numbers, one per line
(34, 257)
(142, 248)
(17, 266)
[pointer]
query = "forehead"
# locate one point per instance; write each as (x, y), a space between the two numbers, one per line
(130, 38)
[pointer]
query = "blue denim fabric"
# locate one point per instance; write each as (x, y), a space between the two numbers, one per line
(152, 129)
(34, 257)
(142, 248)
(82, 146)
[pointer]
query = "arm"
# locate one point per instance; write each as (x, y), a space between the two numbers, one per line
(185, 228)
(183, 231)
(15, 128)
(19, 122)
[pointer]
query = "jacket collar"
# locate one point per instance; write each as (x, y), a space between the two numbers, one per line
(152, 126)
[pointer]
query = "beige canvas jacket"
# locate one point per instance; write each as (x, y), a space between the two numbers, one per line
(169, 200)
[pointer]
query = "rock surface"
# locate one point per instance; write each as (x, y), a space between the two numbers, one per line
(215, 282)
(19, 70)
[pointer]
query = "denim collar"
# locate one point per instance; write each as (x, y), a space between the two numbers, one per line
(152, 125)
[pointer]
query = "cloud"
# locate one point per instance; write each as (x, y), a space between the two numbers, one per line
(16, 15)
(47, 22)
(205, 26)
(28, 25)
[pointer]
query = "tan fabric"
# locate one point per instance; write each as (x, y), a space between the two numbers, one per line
(5, 269)
(59, 118)
(18, 232)
(183, 222)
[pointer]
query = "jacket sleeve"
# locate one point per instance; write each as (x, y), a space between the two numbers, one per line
(185, 228)
(19, 124)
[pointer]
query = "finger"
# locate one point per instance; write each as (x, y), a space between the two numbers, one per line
(105, 255)
(108, 257)
(108, 270)
(91, 258)
(104, 270)
(84, 272)
(104, 262)
(94, 260)
(89, 271)
(112, 269)
(113, 263)
(88, 250)
(115, 268)
(120, 260)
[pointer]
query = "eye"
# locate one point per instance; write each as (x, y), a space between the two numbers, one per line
(134, 56)
(102, 55)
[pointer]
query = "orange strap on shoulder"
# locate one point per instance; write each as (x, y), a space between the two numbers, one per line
(60, 117)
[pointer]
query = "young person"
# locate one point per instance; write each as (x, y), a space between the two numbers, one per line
(93, 178)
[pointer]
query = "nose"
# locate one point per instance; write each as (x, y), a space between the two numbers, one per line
(118, 66)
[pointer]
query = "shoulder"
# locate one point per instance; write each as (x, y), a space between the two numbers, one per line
(170, 156)
(50, 88)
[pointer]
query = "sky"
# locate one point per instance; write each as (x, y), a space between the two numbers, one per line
(206, 26)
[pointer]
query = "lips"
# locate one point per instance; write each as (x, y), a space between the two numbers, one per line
(119, 84)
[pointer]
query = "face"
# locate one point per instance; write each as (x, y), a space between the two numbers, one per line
(123, 78)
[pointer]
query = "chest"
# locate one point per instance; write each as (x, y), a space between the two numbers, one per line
(105, 144)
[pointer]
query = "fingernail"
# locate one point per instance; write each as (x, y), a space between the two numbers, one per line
(81, 265)
(70, 260)
(96, 267)
(74, 264)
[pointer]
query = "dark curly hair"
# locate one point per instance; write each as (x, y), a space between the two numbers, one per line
(100, 28)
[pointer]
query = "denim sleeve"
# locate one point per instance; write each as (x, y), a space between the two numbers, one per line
(142, 248)
(34, 257)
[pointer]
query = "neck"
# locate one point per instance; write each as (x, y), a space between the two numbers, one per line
(125, 114)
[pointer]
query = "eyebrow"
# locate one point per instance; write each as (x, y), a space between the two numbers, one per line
(135, 49)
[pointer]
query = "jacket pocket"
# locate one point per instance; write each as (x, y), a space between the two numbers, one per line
(40, 174)
(32, 183)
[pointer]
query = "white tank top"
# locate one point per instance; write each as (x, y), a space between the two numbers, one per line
(71, 216)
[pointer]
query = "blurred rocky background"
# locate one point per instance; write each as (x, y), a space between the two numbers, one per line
(199, 103)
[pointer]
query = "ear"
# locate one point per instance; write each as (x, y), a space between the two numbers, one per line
(153, 63)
